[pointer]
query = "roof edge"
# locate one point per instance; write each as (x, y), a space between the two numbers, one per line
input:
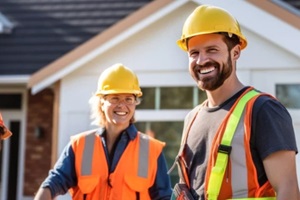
(14, 79)
(45, 76)
(279, 11)
(122, 29)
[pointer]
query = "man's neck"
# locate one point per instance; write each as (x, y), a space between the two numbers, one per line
(221, 94)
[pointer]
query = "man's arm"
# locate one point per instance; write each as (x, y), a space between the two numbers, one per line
(43, 194)
(280, 168)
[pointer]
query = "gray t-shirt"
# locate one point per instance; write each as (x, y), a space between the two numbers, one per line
(272, 131)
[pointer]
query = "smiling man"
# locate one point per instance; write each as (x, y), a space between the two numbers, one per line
(234, 143)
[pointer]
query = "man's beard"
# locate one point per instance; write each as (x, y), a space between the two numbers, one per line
(213, 82)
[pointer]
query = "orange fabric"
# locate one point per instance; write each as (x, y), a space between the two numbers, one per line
(7, 132)
(254, 190)
(184, 172)
(123, 183)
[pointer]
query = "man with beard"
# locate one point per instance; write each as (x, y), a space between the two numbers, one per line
(240, 142)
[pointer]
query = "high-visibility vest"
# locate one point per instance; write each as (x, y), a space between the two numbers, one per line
(231, 172)
(223, 184)
(135, 172)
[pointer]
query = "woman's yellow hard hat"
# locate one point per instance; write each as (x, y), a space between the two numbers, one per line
(118, 79)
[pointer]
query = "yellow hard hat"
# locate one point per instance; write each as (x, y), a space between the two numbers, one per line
(206, 19)
(118, 79)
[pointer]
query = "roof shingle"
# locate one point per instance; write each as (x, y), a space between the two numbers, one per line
(47, 29)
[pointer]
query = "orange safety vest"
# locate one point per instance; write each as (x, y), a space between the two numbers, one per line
(240, 178)
(134, 174)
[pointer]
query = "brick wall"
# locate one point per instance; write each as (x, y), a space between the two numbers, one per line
(38, 148)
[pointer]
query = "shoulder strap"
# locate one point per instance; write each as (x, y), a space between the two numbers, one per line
(217, 173)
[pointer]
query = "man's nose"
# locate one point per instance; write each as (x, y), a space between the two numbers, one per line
(201, 59)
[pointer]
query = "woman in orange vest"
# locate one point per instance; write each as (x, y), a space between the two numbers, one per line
(4, 131)
(115, 161)
(255, 158)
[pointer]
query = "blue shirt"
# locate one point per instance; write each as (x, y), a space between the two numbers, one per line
(63, 176)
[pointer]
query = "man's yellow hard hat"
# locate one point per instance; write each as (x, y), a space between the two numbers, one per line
(206, 19)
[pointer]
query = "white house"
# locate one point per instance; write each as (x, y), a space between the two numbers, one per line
(146, 42)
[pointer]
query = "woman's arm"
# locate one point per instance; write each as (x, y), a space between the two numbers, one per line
(61, 178)
(43, 194)
(161, 189)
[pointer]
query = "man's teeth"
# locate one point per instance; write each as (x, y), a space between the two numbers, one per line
(206, 70)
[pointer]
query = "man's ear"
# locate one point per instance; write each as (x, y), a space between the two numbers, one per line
(236, 51)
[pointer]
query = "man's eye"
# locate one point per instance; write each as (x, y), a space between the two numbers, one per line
(193, 53)
(212, 50)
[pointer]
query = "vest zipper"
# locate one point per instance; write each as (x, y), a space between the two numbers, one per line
(109, 182)
(109, 187)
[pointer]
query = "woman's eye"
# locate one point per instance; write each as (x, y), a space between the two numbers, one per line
(115, 99)
(129, 100)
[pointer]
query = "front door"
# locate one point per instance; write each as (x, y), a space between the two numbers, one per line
(10, 158)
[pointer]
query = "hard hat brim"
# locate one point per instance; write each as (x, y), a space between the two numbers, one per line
(182, 43)
(106, 92)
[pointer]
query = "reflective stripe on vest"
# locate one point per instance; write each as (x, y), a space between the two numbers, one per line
(87, 158)
(143, 156)
(234, 126)
(258, 198)
(86, 165)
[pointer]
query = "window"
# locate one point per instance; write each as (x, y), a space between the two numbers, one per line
(10, 101)
(169, 132)
(171, 98)
(176, 98)
(168, 99)
(148, 99)
(289, 95)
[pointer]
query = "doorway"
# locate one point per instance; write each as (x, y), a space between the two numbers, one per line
(10, 156)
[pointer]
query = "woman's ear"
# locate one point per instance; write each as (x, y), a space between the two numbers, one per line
(101, 103)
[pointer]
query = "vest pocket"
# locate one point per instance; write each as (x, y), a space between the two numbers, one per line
(87, 183)
(136, 183)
